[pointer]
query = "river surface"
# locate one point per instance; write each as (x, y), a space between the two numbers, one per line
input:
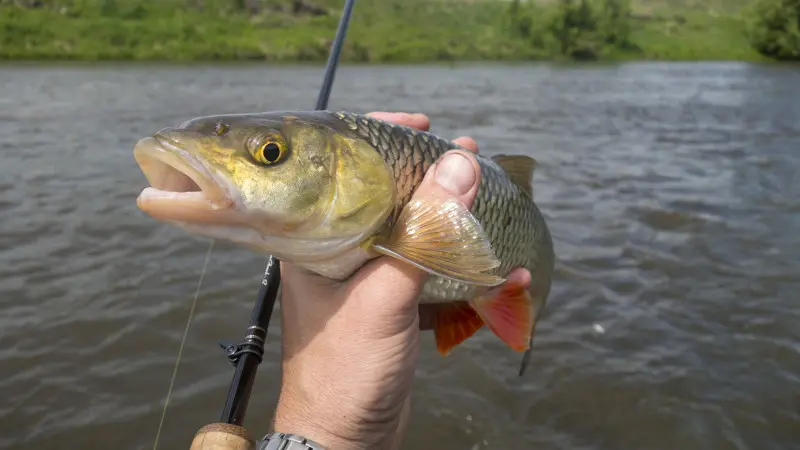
(671, 190)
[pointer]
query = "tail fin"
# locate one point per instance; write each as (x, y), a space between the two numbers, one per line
(526, 358)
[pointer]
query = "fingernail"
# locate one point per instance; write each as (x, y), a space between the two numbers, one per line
(455, 173)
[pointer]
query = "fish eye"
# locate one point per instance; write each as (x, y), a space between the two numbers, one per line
(270, 152)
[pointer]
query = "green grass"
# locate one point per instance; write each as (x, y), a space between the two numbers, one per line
(693, 36)
(381, 31)
(160, 30)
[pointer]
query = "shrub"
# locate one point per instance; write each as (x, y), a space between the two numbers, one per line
(773, 28)
(578, 29)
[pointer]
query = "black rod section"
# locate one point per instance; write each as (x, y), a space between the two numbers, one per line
(247, 355)
(333, 58)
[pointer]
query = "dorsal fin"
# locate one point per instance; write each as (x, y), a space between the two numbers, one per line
(519, 169)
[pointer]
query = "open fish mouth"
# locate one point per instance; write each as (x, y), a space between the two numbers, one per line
(181, 187)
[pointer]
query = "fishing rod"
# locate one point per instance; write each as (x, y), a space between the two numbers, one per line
(228, 433)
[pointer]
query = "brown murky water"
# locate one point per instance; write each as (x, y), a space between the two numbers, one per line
(671, 191)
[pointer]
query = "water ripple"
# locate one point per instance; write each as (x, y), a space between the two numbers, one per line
(670, 189)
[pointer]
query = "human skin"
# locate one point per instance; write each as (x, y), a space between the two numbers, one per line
(350, 348)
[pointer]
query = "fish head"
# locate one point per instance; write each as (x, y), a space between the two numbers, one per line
(295, 187)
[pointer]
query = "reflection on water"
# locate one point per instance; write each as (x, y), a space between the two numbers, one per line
(670, 189)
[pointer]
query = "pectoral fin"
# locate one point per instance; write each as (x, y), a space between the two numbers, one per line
(443, 238)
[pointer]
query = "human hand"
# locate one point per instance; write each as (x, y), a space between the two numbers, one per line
(350, 348)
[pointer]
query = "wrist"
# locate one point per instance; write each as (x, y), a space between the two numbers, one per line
(324, 429)
(333, 423)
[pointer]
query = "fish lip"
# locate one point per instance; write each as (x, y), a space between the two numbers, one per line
(179, 182)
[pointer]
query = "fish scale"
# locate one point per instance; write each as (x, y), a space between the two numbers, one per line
(514, 224)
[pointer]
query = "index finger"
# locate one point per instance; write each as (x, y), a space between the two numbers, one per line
(416, 120)
(421, 122)
(468, 143)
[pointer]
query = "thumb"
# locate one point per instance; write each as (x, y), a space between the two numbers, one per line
(456, 175)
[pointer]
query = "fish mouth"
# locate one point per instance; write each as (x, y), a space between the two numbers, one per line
(181, 187)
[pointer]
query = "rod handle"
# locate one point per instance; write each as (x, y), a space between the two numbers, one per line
(222, 436)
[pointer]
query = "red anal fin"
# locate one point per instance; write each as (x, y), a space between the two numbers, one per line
(508, 312)
(455, 323)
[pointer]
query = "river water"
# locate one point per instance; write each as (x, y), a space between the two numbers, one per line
(671, 191)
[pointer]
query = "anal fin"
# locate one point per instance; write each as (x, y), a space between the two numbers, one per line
(508, 312)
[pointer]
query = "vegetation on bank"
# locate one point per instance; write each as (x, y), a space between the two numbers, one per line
(400, 30)
(774, 28)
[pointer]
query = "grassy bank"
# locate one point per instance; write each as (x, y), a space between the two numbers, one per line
(381, 31)
(692, 30)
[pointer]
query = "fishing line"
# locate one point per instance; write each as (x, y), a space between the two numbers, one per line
(252, 348)
(183, 342)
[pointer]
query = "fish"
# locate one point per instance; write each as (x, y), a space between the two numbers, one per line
(330, 190)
